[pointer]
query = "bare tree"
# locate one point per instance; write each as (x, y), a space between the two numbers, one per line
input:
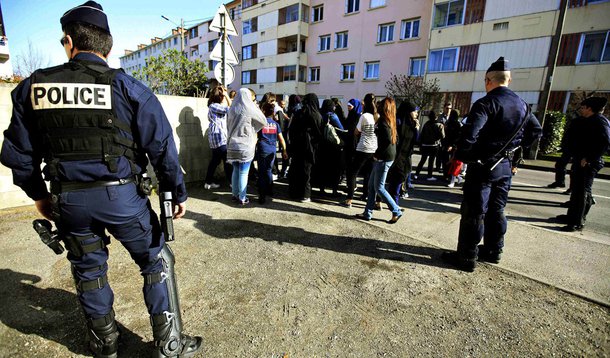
(418, 91)
(30, 60)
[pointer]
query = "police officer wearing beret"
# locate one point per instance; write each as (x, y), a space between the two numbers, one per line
(96, 128)
(497, 125)
(588, 143)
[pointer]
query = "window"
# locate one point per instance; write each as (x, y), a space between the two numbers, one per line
(248, 3)
(287, 73)
(449, 13)
(371, 70)
(385, 33)
(288, 14)
(594, 48)
(317, 13)
(341, 40)
(500, 26)
(444, 60)
(248, 77)
(250, 25)
(417, 67)
(212, 44)
(324, 43)
(193, 32)
(348, 71)
(175, 40)
(314, 74)
(352, 6)
(248, 52)
(377, 3)
(409, 29)
(194, 53)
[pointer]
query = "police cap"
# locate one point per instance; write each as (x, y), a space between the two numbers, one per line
(88, 13)
(595, 103)
(500, 65)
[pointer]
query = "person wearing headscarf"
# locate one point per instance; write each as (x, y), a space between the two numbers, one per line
(339, 110)
(245, 119)
(406, 128)
(328, 169)
(354, 110)
(294, 104)
(305, 134)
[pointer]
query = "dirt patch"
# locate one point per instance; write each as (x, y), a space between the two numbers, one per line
(297, 280)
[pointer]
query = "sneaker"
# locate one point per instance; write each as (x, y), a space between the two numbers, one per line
(405, 196)
(274, 176)
(346, 203)
(450, 185)
(453, 259)
(246, 201)
(489, 255)
(555, 184)
(211, 186)
(306, 200)
(362, 217)
(572, 228)
(431, 179)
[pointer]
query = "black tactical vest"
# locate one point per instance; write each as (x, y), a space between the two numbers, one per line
(73, 108)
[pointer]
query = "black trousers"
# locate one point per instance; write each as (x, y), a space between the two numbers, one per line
(581, 198)
(359, 160)
(427, 152)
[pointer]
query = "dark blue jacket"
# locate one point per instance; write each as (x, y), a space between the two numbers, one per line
(491, 122)
(132, 102)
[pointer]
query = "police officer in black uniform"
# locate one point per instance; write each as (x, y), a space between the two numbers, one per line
(96, 128)
(497, 125)
(588, 143)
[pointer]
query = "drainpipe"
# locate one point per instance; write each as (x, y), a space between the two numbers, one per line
(546, 92)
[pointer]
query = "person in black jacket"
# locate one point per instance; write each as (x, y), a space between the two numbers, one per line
(406, 127)
(383, 158)
(589, 141)
(431, 135)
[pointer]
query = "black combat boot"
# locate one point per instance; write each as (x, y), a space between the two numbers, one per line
(103, 336)
(169, 343)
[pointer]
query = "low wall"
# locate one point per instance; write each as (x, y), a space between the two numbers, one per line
(188, 117)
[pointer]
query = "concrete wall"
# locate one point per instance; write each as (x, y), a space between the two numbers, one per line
(188, 117)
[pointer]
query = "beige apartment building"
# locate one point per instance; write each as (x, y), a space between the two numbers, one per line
(347, 48)
(466, 36)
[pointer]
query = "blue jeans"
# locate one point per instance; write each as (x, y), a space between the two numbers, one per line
(239, 179)
(379, 172)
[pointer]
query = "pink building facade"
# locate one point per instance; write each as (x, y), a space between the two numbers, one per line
(354, 46)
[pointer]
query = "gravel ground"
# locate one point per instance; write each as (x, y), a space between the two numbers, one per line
(297, 280)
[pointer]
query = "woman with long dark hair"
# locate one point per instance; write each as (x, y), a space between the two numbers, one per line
(382, 161)
(367, 144)
(406, 127)
(305, 134)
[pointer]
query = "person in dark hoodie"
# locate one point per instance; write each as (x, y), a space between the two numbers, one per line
(305, 135)
(431, 135)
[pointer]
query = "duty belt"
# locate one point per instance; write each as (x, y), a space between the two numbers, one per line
(65, 186)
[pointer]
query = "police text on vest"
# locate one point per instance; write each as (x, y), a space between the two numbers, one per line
(70, 95)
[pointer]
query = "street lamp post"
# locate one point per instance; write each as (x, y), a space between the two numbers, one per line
(181, 31)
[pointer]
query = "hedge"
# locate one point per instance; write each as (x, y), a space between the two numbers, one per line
(552, 132)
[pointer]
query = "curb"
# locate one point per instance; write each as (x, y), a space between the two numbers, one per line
(525, 165)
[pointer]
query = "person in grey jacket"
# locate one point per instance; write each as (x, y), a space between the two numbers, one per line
(245, 119)
(431, 135)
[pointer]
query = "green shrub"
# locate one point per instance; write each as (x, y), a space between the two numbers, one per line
(552, 132)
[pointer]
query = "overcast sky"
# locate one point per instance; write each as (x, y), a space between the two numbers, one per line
(131, 22)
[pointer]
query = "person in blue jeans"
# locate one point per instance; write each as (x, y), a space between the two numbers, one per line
(382, 161)
(243, 121)
(265, 152)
